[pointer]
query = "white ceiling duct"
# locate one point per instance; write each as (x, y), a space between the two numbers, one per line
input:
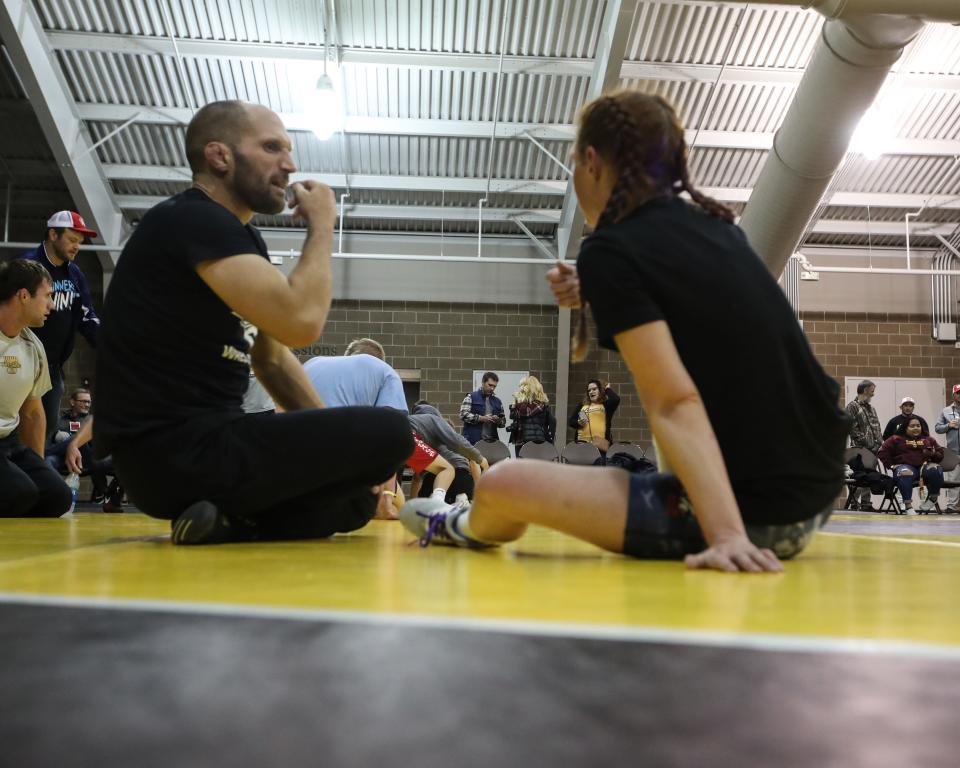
(859, 43)
(927, 10)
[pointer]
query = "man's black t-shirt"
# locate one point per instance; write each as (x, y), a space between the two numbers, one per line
(894, 424)
(772, 407)
(170, 350)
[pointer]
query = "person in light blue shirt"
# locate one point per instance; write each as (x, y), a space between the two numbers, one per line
(360, 377)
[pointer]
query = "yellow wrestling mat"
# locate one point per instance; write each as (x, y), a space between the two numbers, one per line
(845, 586)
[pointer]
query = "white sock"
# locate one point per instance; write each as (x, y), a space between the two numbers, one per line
(439, 493)
(462, 526)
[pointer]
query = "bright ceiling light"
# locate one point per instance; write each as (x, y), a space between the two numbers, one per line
(877, 128)
(324, 108)
(871, 136)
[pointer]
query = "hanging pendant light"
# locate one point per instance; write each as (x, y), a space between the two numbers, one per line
(324, 108)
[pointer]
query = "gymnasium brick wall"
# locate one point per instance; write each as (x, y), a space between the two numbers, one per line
(876, 344)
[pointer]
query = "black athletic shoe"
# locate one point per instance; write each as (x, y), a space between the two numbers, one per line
(114, 500)
(203, 523)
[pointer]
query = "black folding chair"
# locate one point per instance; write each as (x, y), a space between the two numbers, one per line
(543, 451)
(631, 449)
(492, 450)
(580, 452)
(947, 464)
(865, 463)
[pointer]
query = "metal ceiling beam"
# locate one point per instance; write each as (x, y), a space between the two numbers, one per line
(46, 88)
(435, 60)
(478, 129)
(361, 181)
(297, 121)
(880, 228)
(117, 172)
(851, 199)
(461, 213)
(410, 212)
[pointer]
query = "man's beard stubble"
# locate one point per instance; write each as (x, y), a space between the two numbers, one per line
(252, 191)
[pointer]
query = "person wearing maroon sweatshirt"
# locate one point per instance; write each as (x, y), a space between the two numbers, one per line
(912, 453)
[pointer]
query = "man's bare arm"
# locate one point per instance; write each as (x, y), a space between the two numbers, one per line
(291, 309)
(72, 459)
(281, 374)
(33, 425)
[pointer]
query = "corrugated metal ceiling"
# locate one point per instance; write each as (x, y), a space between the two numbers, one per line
(677, 49)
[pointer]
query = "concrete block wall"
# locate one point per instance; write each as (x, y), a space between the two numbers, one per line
(879, 344)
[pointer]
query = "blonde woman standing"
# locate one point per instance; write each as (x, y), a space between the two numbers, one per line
(530, 413)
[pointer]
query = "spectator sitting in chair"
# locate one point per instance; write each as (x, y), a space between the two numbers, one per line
(67, 428)
(906, 411)
(912, 454)
(482, 412)
(78, 455)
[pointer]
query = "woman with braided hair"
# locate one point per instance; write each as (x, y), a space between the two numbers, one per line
(676, 289)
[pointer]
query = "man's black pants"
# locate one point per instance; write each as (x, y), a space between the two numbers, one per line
(28, 487)
(462, 483)
(303, 474)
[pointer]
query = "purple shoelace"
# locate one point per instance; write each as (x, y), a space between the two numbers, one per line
(438, 521)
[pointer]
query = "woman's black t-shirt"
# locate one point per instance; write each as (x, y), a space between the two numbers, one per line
(773, 409)
(170, 350)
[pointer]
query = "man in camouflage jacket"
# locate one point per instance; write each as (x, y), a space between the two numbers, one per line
(865, 432)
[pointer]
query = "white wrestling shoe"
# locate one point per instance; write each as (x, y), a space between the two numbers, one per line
(434, 520)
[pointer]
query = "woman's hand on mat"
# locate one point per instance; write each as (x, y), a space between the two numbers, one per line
(733, 555)
(565, 284)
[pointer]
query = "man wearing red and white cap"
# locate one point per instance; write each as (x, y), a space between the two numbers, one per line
(949, 424)
(72, 307)
(906, 412)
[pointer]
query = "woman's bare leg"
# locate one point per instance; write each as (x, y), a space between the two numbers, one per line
(444, 472)
(587, 502)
